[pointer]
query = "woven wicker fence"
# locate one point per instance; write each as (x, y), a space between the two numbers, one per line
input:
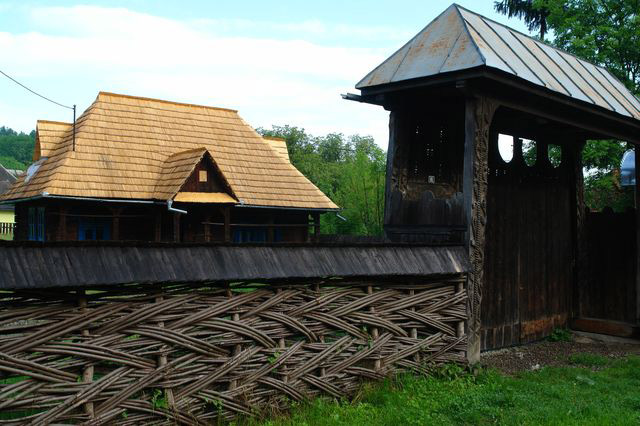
(194, 355)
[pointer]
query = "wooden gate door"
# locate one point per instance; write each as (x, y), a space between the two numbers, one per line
(529, 249)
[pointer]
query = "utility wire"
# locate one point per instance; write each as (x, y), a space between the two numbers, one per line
(35, 93)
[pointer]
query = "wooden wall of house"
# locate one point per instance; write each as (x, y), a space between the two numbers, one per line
(423, 199)
(529, 248)
(609, 291)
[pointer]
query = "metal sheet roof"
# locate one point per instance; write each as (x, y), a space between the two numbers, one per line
(459, 39)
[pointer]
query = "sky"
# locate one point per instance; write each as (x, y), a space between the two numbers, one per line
(276, 62)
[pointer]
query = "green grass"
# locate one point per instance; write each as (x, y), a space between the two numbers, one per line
(550, 396)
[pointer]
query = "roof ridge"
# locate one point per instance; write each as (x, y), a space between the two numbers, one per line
(54, 122)
(531, 37)
(142, 98)
(202, 148)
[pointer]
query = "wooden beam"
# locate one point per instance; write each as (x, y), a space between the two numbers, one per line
(176, 227)
(158, 226)
(316, 227)
(207, 229)
(227, 224)
(115, 223)
(479, 113)
(270, 230)
(62, 224)
(611, 328)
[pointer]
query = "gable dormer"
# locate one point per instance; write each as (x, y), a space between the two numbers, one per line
(193, 176)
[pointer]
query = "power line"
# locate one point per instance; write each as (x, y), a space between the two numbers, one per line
(36, 93)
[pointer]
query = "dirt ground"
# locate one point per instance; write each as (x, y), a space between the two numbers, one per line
(545, 353)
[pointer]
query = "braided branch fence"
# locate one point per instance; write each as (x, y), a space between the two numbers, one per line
(194, 354)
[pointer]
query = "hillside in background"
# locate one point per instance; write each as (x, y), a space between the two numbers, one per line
(16, 149)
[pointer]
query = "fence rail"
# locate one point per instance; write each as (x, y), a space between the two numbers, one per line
(186, 354)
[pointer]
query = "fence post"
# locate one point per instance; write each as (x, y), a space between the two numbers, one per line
(162, 358)
(87, 370)
(238, 348)
(374, 330)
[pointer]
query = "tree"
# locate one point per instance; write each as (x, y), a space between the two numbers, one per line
(534, 16)
(16, 149)
(605, 32)
(349, 170)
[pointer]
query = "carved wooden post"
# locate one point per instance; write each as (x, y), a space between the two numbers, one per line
(391, 153)
(87, 371)
(580, 276)
(637, 188)
(478, 116)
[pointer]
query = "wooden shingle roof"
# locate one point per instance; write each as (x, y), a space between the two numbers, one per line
(130, 147)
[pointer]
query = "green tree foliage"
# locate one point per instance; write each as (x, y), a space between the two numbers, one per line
(607, 33)
(534, 17)
(350, 170)
(16, 149)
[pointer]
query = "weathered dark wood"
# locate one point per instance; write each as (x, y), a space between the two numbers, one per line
(176, 227)
(478, 117)
(24, 265)
(580, 267)
(637, 200)
(227, 224)
(609, 291)
(530, 231)
(609, 327)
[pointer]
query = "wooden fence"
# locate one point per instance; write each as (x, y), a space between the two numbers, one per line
(6, 230)
(193, 354)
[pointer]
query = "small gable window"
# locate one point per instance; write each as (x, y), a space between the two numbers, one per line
(202, 176)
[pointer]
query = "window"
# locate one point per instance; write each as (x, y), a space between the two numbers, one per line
(250, 235)
(94, 229)
(202, 176)
(505, 147)
(36, 223)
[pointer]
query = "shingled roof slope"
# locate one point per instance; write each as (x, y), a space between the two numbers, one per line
(459, 39)
(122, 144)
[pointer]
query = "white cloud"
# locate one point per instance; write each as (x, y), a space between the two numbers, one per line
(269, 80)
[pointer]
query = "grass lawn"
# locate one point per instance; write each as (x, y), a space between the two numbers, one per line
(593, 390)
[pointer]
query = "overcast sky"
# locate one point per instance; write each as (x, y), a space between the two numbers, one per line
(277, 62)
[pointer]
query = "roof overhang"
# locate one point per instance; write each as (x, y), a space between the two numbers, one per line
(512, 92)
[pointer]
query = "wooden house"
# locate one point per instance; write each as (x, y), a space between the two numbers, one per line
(451, 91)
(143, 169)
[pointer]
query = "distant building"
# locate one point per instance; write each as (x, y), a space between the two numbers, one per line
(7, 178)
(152, 170)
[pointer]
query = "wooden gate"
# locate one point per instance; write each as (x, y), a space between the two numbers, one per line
(529, 249)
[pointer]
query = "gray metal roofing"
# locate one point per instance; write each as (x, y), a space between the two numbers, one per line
(459, 39)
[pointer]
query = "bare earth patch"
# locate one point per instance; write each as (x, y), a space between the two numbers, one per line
(536, 355)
